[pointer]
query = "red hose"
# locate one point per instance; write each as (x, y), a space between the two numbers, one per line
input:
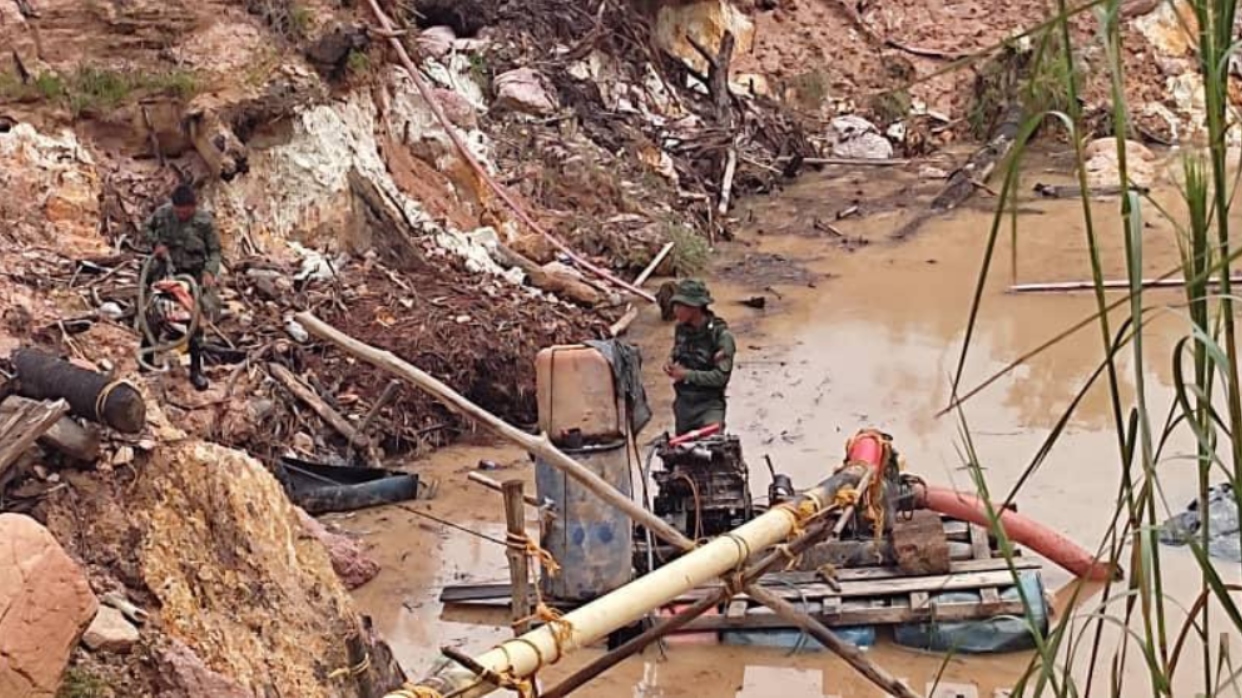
(1020, 529)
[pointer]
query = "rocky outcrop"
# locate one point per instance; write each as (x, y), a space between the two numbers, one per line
(45, 604)
(49, 189)
(223, 554)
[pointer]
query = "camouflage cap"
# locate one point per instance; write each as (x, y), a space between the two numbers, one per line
(692, 292)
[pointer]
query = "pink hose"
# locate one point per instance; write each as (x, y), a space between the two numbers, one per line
(1020, 529)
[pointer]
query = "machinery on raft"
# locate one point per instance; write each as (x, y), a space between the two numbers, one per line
(920, 560)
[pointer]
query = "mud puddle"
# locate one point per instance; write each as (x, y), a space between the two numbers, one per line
(874, 341)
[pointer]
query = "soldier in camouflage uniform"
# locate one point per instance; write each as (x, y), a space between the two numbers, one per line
(185, 242)
(702, 359)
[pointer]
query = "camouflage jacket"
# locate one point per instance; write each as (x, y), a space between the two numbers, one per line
(707, 352)
(193, 245)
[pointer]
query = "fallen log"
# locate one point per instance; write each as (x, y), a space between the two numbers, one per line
(619, 327)
(20, 430)
(982, 163)
(304, 393)
(65, 435)
(91, 395)
(564, 285)
(537, 445)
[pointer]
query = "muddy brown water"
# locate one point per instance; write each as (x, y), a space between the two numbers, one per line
(873, 339)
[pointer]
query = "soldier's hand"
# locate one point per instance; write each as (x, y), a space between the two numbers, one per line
(161, 251)
(676, 372)
(209, 279)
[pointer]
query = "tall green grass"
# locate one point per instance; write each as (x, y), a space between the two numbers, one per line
(1207, 403)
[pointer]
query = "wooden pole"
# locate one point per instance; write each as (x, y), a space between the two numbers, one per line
(620, 326)
(390, 391)
(655, 264)
(515, 550)
(304, 393)
(851, 654)
(481, 479)
(538, 445)
(1124, 284)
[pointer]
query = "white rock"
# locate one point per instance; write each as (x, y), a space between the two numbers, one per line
(869, 146)
(523, 90)
(932, 172)
(436, 42)
(110, 632)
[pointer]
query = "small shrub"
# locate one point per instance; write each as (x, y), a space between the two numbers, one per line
(690, 250)
(80, 683)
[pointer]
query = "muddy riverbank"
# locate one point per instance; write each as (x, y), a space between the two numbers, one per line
(865, 334)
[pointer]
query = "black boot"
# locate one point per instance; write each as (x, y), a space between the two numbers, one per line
(197, 379)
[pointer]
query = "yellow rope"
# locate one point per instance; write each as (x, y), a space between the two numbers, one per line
(104, 395)
(411, 691)
(522, 543)
(356, 670)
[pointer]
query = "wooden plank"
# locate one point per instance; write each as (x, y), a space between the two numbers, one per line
(901, 680)
(27, 424)
(67, 436)
(499, 592)
(919, 599)
(956, 530)
(990, 595)
(737, 609)
(979, 543)
(943, 613)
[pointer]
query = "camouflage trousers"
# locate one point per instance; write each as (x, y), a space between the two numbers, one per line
(696, 410)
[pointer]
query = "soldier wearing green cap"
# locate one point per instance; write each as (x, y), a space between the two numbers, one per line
(702, 359)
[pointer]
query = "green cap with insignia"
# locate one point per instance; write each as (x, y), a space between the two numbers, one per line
(692, 292)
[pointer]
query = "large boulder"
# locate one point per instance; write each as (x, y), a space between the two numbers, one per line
(45, 604)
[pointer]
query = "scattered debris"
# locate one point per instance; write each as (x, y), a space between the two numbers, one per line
(1222, 522)
(855, 137)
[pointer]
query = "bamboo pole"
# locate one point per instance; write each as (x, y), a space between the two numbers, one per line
(429, 97)
(538, 445)
(851, 654)
(515, 550)
(519, 658)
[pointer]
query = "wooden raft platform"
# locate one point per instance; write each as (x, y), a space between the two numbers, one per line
(855, 596)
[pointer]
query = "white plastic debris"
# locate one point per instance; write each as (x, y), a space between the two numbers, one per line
(111, 310)
(296, 330)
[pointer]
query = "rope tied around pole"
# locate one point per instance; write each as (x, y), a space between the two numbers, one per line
(409, 690)
(356, 670)
(523, 544)
(106, 393)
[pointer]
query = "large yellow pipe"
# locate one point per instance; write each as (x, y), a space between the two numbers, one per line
(521, 657)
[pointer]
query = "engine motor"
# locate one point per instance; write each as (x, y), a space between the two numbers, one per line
(703, 489)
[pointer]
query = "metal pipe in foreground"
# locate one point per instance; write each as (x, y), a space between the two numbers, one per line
(521, 657)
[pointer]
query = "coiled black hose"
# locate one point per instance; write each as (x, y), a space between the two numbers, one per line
(145, 301)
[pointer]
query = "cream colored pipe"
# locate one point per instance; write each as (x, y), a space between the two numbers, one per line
(522, 657)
